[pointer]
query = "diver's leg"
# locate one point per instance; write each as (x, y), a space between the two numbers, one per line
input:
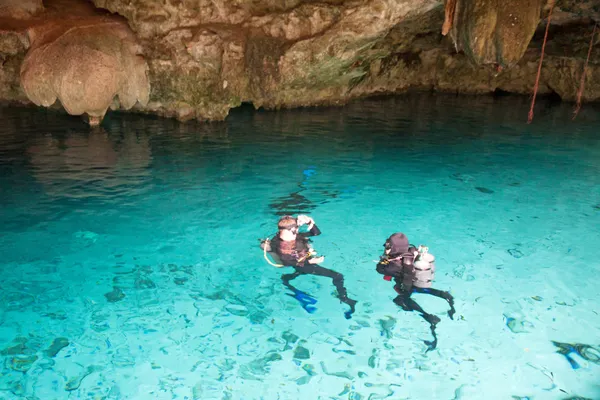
(432, 319)
(338, 282)
(408, 304)
(286, 278)
(441, 294)
(305, 299)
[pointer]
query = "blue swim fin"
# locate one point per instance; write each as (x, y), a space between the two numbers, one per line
(305, 300)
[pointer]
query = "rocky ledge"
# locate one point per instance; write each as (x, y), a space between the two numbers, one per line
(194, 59)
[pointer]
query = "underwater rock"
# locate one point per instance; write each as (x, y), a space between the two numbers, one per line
(22, 363)
(237, 309)
(518, 325)
(75, 382)
(289, 338)
(344, 374)
(59, 315)
(87, 235)
(309, 369)
(303, 380)
(466, 392)
(16, 300)
(115, 296)
(373, 359)
(142, 282)
(387, 326)
(180, 281)
(19, 348)
(207, 389)
(123, 358)
(258, 317)
(515, 253)
(301, 353)
(351, 352)
(57, 345)
(46, 363)
(99, 320)
(259, 367)
(460, 272)
(346, 390)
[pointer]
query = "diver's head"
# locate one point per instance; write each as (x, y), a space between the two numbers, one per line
(396, 244)
(288, 227)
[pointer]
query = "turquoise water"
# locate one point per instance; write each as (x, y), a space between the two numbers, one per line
(131, 267)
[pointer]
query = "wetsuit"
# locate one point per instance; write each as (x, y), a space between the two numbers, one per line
(295, 254)
(401, 268)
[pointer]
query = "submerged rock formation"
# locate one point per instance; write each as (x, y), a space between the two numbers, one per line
(205, 58)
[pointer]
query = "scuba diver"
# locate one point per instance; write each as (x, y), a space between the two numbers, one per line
(413, 270)
(292, 249)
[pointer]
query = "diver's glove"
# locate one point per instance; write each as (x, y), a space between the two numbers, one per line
(316, 260)
(305, 220)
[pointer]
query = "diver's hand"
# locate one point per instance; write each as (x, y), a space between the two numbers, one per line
(316, 260)
(304, 219)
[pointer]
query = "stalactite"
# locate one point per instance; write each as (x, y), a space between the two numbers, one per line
(449, 16)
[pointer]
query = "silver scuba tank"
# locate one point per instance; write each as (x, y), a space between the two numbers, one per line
(424, 268)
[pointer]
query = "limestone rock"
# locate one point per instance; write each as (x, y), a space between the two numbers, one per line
(20, 9)
(495, 31)
(206, 57)
(85, 63)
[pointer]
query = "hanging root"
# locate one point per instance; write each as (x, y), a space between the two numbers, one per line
(537, 79)
(449, 16)
(582, 84)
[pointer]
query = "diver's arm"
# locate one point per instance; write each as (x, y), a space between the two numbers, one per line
(381, 266)
(313, 229)
(407, 282)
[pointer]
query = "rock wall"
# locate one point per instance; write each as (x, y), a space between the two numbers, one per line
(206, 57)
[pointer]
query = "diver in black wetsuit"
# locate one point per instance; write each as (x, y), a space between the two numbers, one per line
(413, 270)
(293, 249)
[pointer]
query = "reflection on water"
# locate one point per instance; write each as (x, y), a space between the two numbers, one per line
(70, 160)
(90, 164)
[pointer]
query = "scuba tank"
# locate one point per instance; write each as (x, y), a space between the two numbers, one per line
(424, 268)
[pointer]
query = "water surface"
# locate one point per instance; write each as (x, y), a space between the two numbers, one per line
(131, 267)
